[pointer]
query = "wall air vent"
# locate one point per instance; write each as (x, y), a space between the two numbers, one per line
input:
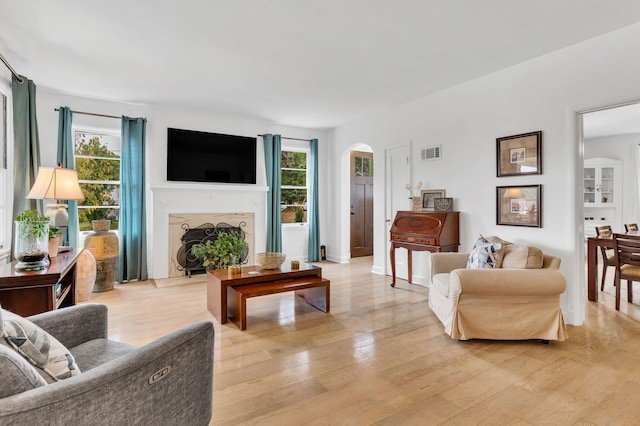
(433, 153)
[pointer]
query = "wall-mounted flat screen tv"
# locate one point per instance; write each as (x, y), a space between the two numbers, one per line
(194, 156)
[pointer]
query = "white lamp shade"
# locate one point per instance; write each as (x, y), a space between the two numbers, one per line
(56, 183)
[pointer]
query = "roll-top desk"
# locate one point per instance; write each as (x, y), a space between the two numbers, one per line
(423, 231)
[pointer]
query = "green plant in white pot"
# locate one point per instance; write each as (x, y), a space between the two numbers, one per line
(228, 248)
(31, 240)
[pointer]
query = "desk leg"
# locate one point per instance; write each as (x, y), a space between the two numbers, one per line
(592, 270)
(409, 267)
(392, 259)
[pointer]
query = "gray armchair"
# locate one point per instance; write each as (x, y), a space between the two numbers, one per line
(166, 382)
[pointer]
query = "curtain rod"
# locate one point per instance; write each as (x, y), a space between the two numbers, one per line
(20, 80)
(98, 115)
(293, 139)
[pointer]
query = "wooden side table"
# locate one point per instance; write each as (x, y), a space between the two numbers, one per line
(32, 292)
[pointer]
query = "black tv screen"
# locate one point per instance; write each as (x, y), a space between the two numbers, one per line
(194, 156)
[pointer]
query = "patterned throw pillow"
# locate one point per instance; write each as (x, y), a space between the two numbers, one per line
(484, 254)
(42, 350)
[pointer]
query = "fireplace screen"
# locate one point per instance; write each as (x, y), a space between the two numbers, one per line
(199, 235)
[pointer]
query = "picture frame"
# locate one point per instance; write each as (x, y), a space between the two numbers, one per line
(519, 154)
(428, 197)
(519, 205)
(443, 204)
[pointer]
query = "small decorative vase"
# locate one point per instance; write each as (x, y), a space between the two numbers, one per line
(416, 203)
(103, 245)
(85, 276)
(53, 247)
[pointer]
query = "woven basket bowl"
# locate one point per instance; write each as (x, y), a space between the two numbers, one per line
(270, 260)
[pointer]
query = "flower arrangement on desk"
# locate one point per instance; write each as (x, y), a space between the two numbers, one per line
(416, 202)
(411, 189)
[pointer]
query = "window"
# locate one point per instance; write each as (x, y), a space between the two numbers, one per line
(363, 166)
(98, 164)
(3, 131)
(294, 186)
(5, 194)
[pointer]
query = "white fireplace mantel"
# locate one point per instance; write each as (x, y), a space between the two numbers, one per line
(185, 198)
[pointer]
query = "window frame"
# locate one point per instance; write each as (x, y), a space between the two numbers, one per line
(307, 151)
(6, 174)
(113, 132)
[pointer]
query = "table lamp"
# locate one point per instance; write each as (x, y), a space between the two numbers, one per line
(57, 184)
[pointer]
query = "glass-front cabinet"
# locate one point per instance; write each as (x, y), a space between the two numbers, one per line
(602, 194)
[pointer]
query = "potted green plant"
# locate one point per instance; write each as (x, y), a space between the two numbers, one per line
(227, 249)
(31, 240)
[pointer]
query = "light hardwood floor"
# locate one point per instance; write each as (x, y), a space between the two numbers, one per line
(381, 357)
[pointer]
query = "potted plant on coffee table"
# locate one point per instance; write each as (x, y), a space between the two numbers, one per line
(229, 248)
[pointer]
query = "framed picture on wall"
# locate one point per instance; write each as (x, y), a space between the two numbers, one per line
(519, 205)
(429, 196)
(519, 155)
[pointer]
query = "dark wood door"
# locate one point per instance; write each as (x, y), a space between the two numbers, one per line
(361, 203)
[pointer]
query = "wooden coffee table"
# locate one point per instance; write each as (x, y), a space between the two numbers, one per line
(227, 294)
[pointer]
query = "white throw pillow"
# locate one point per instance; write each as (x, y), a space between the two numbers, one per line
(38, 347)
(484, 254)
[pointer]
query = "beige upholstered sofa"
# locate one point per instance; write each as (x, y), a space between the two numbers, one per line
(498, 303)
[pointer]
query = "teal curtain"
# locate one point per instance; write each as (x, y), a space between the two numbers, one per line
(132, 228)
(272, 154)
(67, 159)
(313, 212)
(26, 150)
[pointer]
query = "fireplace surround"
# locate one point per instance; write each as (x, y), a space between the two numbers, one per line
(202, 203)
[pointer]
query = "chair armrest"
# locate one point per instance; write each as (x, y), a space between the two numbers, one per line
(447, 262)
(507, 282)
(75, 324)
(168, 381)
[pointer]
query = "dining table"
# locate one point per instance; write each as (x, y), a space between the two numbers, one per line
(593, 245)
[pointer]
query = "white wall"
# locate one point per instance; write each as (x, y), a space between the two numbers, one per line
(541, 94)
(175, 196)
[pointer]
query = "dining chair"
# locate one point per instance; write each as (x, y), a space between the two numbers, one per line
(608, 255)
(627, 249)
(630, 227)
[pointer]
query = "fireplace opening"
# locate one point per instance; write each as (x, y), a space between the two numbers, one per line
(187, 262)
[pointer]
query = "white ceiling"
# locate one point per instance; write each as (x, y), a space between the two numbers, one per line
(309, 63)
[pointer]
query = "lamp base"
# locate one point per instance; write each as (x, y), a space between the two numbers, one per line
(57, 214)
(58, 217)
